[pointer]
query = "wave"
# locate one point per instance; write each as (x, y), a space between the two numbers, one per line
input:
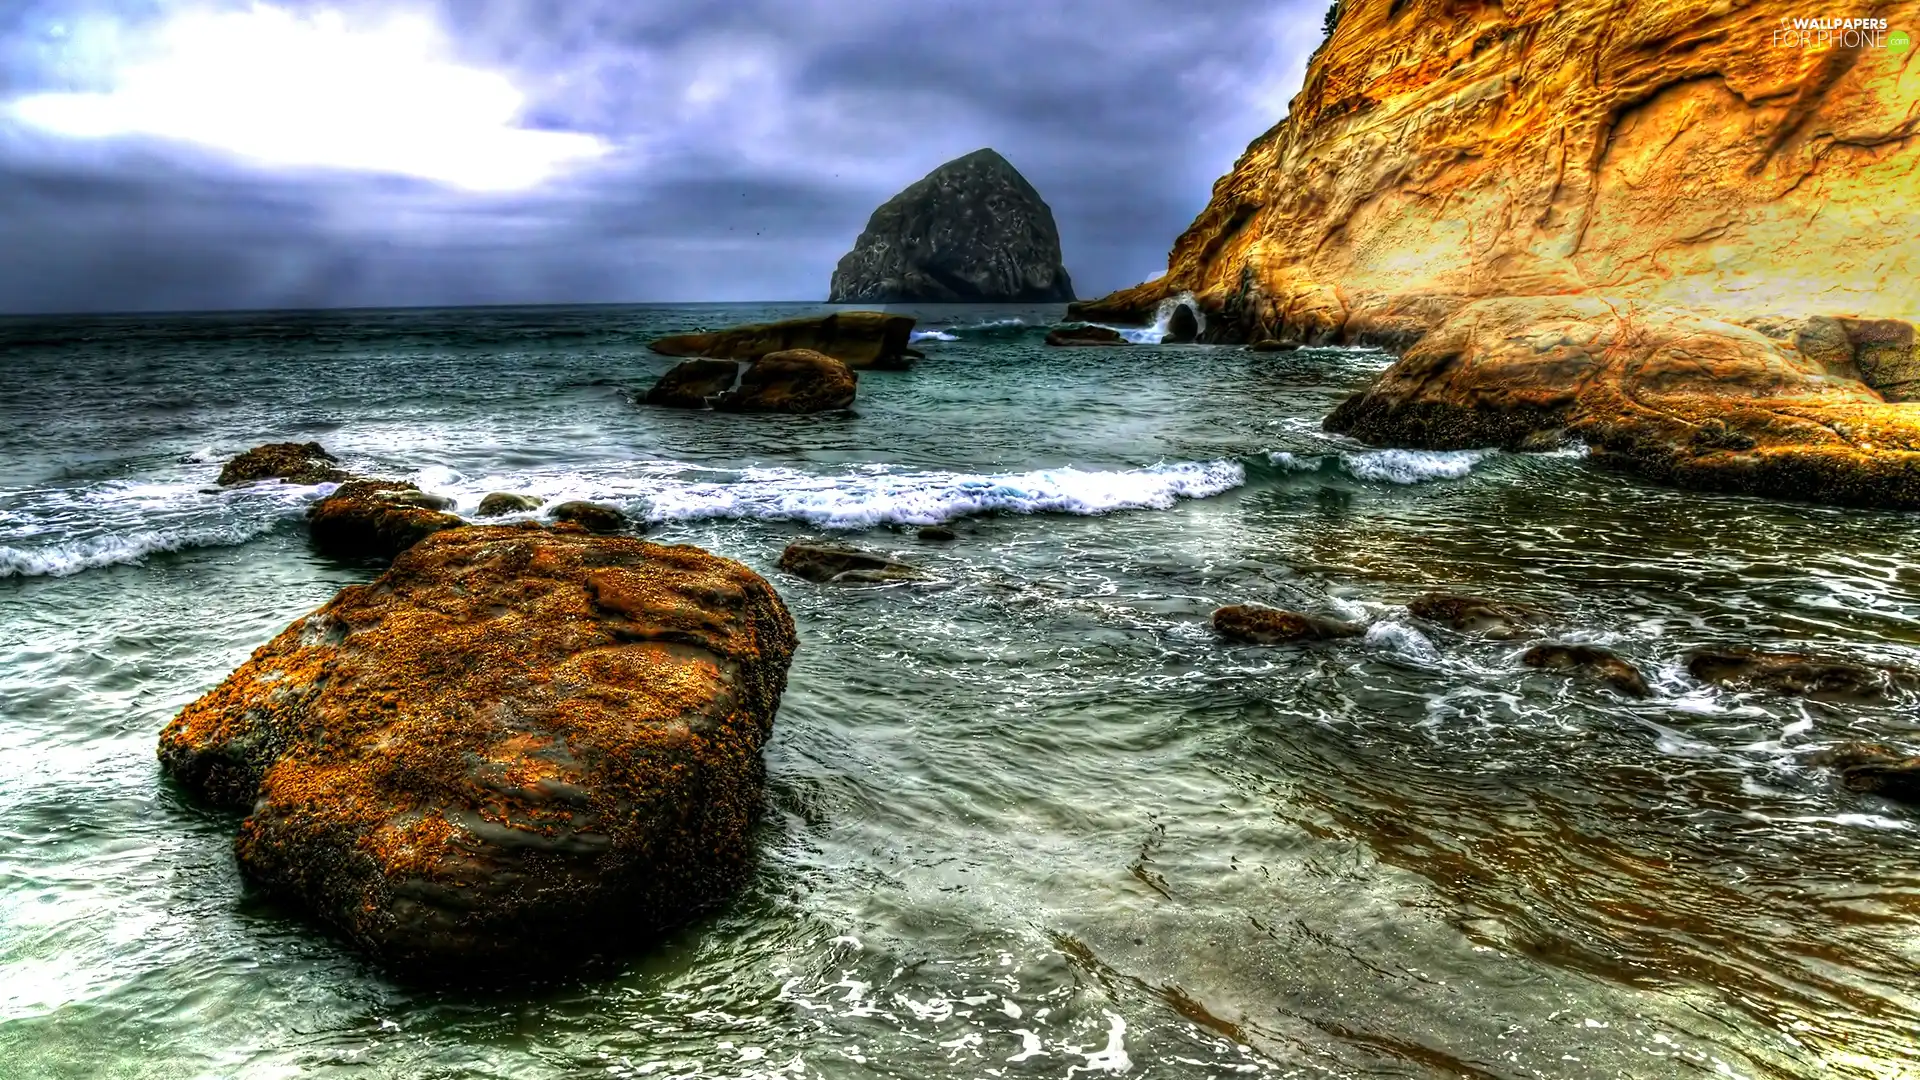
(1011, 327)
(1388, 466)
(121, 549)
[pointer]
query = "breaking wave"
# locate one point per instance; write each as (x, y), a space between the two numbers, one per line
(121, 549)
(1388, 466)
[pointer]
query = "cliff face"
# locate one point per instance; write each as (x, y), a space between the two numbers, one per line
(972, 230)
(1679, 153)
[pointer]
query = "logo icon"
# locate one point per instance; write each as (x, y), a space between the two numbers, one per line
(1899, 42)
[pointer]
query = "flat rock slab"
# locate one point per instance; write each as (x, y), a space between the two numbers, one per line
(858, 339)
(844, 565)
(516, 750)
(1258, 625)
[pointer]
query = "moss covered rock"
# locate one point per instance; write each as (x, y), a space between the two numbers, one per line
(517, 749)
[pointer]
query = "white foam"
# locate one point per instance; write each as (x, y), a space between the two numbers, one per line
(931, 335)
(1390, 466)
(1156, 333)
(1403, 641)
(1412, 466)
(120, 549)
(929, 498)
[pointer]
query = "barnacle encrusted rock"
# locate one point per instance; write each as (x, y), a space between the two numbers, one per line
(377, 519)
(296, 463)
(515, 750)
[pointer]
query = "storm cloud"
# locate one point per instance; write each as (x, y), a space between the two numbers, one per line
(744, 148)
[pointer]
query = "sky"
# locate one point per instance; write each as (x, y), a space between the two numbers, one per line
(185, 155)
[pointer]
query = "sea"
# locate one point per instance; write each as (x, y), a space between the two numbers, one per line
(1028, 818)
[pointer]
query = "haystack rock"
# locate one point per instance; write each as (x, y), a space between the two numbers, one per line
(971, 231)
(1550, 198)
(516, 750)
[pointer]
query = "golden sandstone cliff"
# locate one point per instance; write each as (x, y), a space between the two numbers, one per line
(1682, 232)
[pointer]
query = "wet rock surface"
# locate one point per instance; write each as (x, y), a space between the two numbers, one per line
(858, 339)
(1475, 615)
(795, 381)
(695, 384)
(500, 503)
(1085, 335)
(1591, 663)
(377, 519)
(971, 231)
(1874, 769)
(1257, 625)
(295, 463)
(593, 517)
(516, 750)
(1801, 675)
(836, 564)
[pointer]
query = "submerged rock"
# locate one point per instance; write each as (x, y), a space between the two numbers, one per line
(938, 534)
(1085, 335)
(515, 750)
(1273, 345)
(694, 384)
(295, 463)
(795, 381)
(1589, 662)
(1474, 615)
(1800, 675)
(1258, 625)
(844, 565)
(502, 502)
(377, 519)
(1874, 769)
(858, 339)
(971, 231)
(592, 516)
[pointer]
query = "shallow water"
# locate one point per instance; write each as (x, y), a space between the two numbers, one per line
(1035, 821)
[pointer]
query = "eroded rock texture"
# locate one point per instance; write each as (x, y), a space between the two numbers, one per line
(972, 230)
(1649, 225)
(1668, 152)
(515, 750)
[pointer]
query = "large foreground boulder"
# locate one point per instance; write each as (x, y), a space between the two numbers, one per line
(971, 231)
(1664, 392)
(795, 381)
(295, 463)
(377, 519)
(514, 750)
(858, 339)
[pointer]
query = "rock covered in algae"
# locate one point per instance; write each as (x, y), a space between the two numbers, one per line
(377, 519)
(515, 750)
(794, 381)
(1259, 625)
(295, 463)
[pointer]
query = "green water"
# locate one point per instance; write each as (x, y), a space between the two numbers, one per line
(1035, 821)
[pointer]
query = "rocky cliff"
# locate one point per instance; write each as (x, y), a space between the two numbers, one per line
(1675, 230)
(1688, 153)
(972, 230)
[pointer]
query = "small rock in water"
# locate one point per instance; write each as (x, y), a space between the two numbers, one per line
(516, 750)
(1273, 345)
(1474, 615)
(1800, 675)
(377, 519)
(1589, 661)
(1874, 769)
(694, 384)
(296, 463)
(1258, 625)
(938, 534)
(1085, 335)
(795, 381)
(591, 516)
(502, 502)
(844, 565)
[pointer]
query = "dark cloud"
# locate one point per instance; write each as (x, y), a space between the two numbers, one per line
(751, 141)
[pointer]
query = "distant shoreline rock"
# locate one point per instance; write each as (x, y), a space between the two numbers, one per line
(858, 339)
(971, 231)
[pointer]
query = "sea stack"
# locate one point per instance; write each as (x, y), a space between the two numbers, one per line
(971, 231)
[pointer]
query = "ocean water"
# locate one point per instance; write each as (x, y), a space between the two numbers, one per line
(1033, 819)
